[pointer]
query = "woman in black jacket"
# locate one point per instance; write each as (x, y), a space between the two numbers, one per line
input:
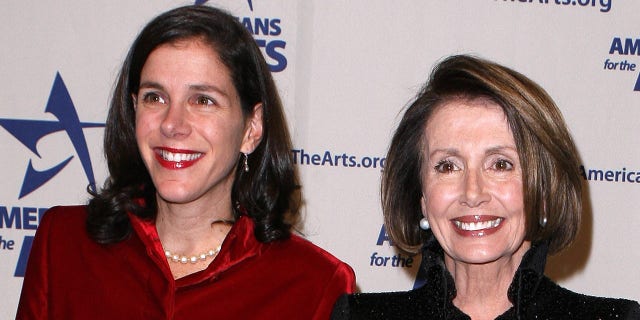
(482, 176)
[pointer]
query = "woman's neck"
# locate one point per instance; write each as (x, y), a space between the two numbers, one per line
(192, 219)
(190, 230)
(482, 288)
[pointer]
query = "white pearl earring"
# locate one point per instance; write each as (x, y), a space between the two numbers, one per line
(424, 224)
(543, 221)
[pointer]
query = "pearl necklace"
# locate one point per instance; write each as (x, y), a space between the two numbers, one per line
(193, 259)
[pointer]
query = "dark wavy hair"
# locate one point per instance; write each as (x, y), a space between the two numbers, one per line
(552, 188)
(269, 193)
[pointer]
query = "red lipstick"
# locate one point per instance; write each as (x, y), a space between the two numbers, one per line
(175, 159)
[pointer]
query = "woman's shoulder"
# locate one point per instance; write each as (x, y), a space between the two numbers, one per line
(298, 248)
(65, 215)
(300, 255)
(308, 270)
(63, 222)
(555, 299)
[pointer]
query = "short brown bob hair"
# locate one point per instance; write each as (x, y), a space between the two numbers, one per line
(550, 163)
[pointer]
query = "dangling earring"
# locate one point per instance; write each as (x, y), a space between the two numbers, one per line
(246, 162)
(424, 224)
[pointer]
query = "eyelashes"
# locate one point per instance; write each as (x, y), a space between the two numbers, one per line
(499, 165)
(445, 166)
(155, 98)
(152, 97)
(502, 165)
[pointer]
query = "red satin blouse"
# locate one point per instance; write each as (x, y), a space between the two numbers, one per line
(69, 276)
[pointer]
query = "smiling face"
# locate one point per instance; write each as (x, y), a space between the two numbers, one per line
(190, 127)
(472, 183)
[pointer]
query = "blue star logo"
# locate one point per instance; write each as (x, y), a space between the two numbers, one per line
(29, 132)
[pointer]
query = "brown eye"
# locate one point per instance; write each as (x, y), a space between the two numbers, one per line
(204, 100)
(445, 167)
(152, 98)
(503, 165)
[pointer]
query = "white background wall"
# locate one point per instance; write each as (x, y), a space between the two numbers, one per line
(351, 66)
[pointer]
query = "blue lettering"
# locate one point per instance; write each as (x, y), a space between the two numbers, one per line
(7, 219)
(631, 46)
(246, 22)
(28, 217)
(605, 5)
(383, 236)
(596, 175)
(352, 161)
(608, 175)
(21, 218)
(616, 46)
(366, 162)
(275, 27)
(268, 27)
(400, 261)
(305, 158)
(270, 50)
(378, 261)
(281, 60)
(327, 158)
(315, 159)
(6, 244)
(261, 26)
(396, 261)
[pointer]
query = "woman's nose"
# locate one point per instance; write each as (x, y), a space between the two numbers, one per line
(474, 190)
(175, 123)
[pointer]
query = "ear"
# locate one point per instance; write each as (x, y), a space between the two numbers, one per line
(252, 130)
(423, 206)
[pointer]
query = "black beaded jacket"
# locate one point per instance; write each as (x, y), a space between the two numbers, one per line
(533, 295)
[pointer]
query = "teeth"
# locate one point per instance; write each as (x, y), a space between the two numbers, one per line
(474, 226)
(179, 157)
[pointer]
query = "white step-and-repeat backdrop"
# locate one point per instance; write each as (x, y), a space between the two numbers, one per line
(345, 70)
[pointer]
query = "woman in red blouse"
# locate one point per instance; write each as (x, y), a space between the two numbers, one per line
(195, 218)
